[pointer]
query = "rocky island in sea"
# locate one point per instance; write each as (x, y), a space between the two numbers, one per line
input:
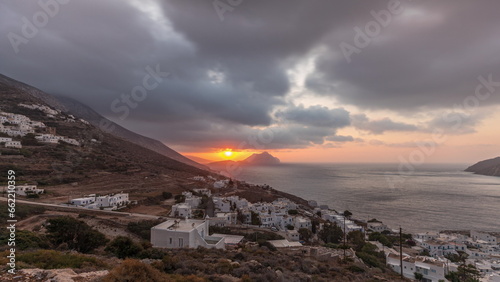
(489, 167)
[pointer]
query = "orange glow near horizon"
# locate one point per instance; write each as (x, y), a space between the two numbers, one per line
(391, 147)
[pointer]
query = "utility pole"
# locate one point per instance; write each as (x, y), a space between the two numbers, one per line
(344, 239)
(401, 250)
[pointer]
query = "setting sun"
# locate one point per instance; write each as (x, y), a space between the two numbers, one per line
(228, 153)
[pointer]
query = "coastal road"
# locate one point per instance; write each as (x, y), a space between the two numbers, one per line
(76, 209)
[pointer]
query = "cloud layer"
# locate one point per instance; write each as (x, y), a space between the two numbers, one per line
(230, 80)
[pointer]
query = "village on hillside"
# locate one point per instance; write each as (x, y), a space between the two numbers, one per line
(16, 126)
(203, 217)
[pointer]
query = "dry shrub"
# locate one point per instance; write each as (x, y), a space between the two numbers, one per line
(134, 270)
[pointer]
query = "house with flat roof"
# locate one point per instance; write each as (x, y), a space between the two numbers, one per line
(189, 233)
(181, 210)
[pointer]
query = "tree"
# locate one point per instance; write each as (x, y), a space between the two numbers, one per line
(357, 238)
(418, 276)
(314, 226)
(124, 247)
(75, 233)
(331, 233)
(166, 195)
(240, 217)
(305, 234)
(255, 219)
(293, 212)
(180, 199)
(347, 214)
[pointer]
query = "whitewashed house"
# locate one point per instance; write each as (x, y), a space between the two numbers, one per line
(484, 237)
(293, 235)
(5, 139)
(302, 222)
(83, 201)
(13, 144)
(176, 233)
(433, 270)
(220, 184)
(221, 204)
(24, 190)
(193, 201)
(377, 227)
(222, 219)
(112, 201)
(203, 191)
(181, 210)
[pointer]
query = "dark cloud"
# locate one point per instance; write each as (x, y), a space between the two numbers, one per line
(430, 56)
(316, 116)
(362, 122)
(228, 77)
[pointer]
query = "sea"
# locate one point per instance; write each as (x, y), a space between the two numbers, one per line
(429, 197)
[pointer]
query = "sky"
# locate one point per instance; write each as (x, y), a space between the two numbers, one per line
(308, 81)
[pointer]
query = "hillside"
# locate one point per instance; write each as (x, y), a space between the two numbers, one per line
(82, 111)
(98, 157)
(489, 167)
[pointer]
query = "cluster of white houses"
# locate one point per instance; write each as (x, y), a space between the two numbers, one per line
(108, 202)
(274, 215)
(20, 125)
(482, 251)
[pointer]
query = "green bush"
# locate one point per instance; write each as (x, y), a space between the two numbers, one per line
(258, 236)
(124, 247)
(355, 269)
(166, 195)
(142, 228)
(24, 239)
(75, 233)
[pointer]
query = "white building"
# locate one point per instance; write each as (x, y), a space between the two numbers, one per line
(112, 201)
(181, 210)
(83, 201)
(433, 270)
(5, 139)
(193, 201)
(293, 235)
(24, 190)
(184, 234)
(302, 222)
(378, 226)
(484, 237)
(220, 184)
(48, 138)
(222, 204)
(222, 219)
(205, 192)
(13, 144)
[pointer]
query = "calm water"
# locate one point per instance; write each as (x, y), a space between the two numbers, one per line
(434, 197)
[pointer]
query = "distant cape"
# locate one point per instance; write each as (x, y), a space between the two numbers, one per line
(489, 167)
